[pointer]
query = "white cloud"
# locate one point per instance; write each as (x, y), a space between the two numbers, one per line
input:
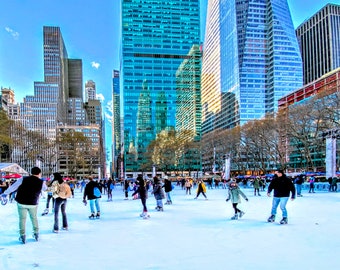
(100, 97)
(13, 33)
(109, 118)
(95, 64)
(109, 107)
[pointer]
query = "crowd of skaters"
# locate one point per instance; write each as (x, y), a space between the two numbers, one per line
(160, 188)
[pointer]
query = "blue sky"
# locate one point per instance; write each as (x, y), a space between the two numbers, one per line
(90, 29)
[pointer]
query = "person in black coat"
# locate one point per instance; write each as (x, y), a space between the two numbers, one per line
(282, 187)
(28, 192)
(167, 188)
(91, 195)
(143, 195)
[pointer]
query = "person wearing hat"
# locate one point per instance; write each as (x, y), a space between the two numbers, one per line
(256, 185)
(282, 187)
(234, 194)
(28, 192)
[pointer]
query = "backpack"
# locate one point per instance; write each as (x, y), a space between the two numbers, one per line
(96, 192)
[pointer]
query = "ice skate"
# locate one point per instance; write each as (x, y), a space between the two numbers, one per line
(241, 214)
(22, 239)
(92, 216)
(234, 217)
(45, 212)
(145, 215)
(98, 215)
(36, 236)
(284, 221)
(160, 209)
(271, 218)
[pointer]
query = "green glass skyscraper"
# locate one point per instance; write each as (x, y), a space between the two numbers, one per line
(156, 37)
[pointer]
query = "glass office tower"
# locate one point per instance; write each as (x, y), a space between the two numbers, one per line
(319, 39)
(156, 37)
(251, 59)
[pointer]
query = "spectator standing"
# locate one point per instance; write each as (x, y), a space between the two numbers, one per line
(311, 181)
(298, 182)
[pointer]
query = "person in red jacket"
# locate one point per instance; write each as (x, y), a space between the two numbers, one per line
(282, 187)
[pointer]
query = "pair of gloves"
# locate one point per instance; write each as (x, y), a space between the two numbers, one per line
(228, 200)
(84, 202)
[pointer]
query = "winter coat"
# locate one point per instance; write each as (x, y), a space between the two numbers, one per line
(62, 190)
(141, 190)
(256, 183)
(89, 190)
(234, 195)
(201, 187)
(158, 191)
(282, 187)
(167, 185)
(29, 190)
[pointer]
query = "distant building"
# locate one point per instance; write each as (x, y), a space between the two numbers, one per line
(117, 136)
(56, 105)
(251, 59)
(90, 90)
(319, 39)
(327, 85)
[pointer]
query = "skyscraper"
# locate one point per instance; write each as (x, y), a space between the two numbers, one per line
(319, 39)
(251, 59)
(156, 37)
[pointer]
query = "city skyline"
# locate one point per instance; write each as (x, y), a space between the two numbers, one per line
(90, 34)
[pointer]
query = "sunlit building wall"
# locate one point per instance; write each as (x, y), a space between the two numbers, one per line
(319, 39)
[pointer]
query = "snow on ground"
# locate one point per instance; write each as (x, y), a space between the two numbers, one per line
(189, 234)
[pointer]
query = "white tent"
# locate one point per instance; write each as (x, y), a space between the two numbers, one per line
(12, 168)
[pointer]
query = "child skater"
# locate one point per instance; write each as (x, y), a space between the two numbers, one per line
(234, 193)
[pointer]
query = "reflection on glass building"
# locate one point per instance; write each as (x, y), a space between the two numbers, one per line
(156, 37)
(251, 59)
(319, 39)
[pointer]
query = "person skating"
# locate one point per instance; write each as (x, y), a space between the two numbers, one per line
(282, 187)
(61, 192)
(201, 189)
(28, 192)
(49, 195)
(143, 195)
(158, 193)
(234, 195)
(94, 198)
(167, 188)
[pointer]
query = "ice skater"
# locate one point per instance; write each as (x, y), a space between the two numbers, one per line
(234, 194)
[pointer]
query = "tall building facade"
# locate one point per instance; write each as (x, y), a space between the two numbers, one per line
(156, 37)
(251, 59)
(56, 104)
(188, 92)
(90, 90)
(117, 155)
(319, 39)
